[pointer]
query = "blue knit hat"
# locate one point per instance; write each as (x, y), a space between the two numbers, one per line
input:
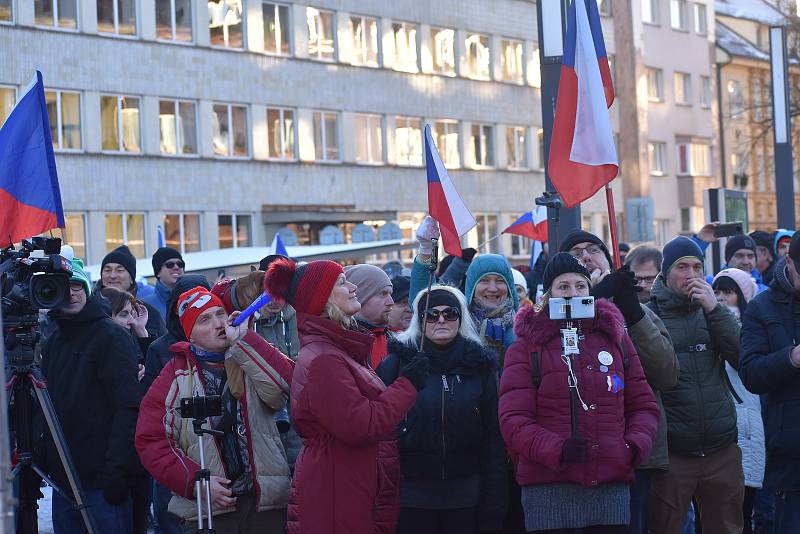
(486, 264)
(678, 248)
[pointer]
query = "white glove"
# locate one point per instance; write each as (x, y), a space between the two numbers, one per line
(428, 229)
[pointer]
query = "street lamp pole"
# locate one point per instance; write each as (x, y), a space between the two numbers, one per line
(551, 20)
(782, 128)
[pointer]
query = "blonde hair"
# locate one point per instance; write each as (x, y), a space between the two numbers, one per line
(411, 335)
(335, 314)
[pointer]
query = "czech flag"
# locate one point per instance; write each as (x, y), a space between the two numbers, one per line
(533, 225)
(30, 200)
(444, 203)
(582, 154)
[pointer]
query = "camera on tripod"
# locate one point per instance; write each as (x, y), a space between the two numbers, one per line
(34, 277)
(198, 407)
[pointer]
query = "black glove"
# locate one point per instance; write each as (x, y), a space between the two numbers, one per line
(621, 285)
(574, 450)
(116, 494)
(467, 254)
(416, 371)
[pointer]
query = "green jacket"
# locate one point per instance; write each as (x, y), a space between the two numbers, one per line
(701, 418)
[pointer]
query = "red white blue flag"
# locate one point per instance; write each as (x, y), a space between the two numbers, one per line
(30, 199)
(444, 203)
(532, 224)
(583, 158)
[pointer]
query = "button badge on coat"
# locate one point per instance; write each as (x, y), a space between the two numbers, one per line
(605, 358)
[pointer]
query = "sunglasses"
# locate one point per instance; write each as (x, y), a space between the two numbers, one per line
(173, 264)
(449, 314)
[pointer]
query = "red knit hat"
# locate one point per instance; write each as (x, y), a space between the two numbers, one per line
(194, 302)
(306, 287)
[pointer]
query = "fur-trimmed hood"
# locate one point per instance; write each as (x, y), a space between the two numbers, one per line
(536, 327)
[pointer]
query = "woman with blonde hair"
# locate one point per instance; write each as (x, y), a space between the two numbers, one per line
(347, 475)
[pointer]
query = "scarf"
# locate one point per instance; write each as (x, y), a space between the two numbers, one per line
(494, 321)
(207, 356)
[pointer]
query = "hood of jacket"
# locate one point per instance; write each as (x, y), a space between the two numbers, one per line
(184, 283)
(463, 356)
(358, 344)
(537, 327)
(782, 287)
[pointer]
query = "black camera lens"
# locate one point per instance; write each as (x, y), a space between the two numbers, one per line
(49, 291)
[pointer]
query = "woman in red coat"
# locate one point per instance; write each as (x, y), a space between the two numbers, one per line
(575, 471)
(347, 476)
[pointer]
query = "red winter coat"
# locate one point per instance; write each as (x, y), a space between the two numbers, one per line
(535, 422)
(347, 477)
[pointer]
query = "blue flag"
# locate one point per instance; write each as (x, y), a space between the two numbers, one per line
(278, 247)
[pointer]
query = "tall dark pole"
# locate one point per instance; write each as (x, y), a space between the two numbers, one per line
(560, 221)
(721, 125)
(782, 128)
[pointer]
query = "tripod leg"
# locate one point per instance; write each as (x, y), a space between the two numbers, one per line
(27, 522)
(63, 453)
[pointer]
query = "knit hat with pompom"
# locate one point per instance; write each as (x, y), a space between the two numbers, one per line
(306, 287)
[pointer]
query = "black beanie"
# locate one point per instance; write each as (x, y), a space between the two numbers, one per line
(679, 247)
(736, 243)
(401, 285)
(579, 236)
(263, 265)
(439, 297)
(563, 263)
(161, 256)
(762, 239)
(122, 255)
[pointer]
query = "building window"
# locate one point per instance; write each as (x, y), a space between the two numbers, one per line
(657, 153)
(364, 33)
(119, 124)
(535, 69)
(234, 231)
(64, 113)
(445, 136)
(125, 229)
(408, 141)
(487, 229)
(683, 88)
(56, 13)
(174, 20)
(655, 84)
(443, 41)
(650, 11)
(321, 37)
(229, 128)
(520, 246)
(369, 139)
(700, 19)
(478, 56)
(182, 232)
(8, 97)
(280, 133)
(178, 125)
(677, 14)
(515, 147)
(116, 16)
(226, 23)
(694, 159)
(540, 147)
(277, 33)
(705, 91)
(480, 152)
(735, 99)
(326, 136)
(758, 100)
(76, 233)
(604, 7)
(6, 11)
(405, 47)
(511, 61)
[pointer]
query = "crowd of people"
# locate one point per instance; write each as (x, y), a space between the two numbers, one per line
(451, 398)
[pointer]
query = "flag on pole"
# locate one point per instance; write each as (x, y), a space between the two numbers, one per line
(30, 199)
(162, 242)
(277, 245)
(582, 154)
(536, 250)
(532, 224)
(444, 203)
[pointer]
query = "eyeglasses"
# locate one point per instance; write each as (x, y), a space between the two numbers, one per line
(173, 264)
(645, 280)
(592, 250)
(449, 314)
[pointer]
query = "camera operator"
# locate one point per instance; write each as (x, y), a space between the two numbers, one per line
(90, 365)
(576, 422)
(250, 474)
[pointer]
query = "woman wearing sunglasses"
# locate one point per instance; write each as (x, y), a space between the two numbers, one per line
(451, 452)
(575, 448)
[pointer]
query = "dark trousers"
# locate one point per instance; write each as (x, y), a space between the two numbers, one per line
(764, 511)
(514, 522)
(600, 529)
(167, 523)
(747, 509)
(787, 512)
(245, 519)
(141, 495)
(425, 521)
(108, 517)
(640, 498)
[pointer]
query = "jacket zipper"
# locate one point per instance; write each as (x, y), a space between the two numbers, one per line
(695, 331)
(445, 387)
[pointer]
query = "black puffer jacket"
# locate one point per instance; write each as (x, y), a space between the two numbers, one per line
(701, 418)
(452, 431)
(90, 365)
(770, 330)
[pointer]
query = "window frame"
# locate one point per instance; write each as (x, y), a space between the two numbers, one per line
(515, 42)
(115, 33)
(323, 135)
(369, 117)
(60, 126)
(659, 79)
(406, 25)
(474, 76)
(289, 40)
(124, 215)
(353, 52)
(282, 118)
(525, 164)
(604, 8)
(402, 121)
(705, 97)
(182, 230)
(83, 216)
(335, 55)
(448, 123)
(225, 46)
(13, 20)
(683, 13)
(699, 7)
(654, 12)
(231, 143)
(691, 148)
(486, 141)
(435, 30)
(657, 154)
(179, 131)
(234, 226)
(15, 92)
(55, 25)
(684, 80)
(121, 149)
(173, 19)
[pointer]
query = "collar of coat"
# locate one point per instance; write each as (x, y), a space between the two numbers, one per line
(536, 327)
(357, 344)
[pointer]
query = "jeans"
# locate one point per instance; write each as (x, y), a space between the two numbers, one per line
(167, 523)
(640, 498)
(787, 512)
(108, 517)
(764, 511)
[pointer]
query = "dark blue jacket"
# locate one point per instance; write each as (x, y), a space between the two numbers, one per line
(770, 329)
(453, 431)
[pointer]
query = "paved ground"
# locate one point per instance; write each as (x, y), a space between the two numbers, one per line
(46, 511)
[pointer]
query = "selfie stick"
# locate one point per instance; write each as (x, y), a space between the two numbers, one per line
(256, 305)
(431, 269)
(202, 478)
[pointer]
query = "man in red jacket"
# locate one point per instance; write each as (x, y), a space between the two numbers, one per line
(250, 474)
